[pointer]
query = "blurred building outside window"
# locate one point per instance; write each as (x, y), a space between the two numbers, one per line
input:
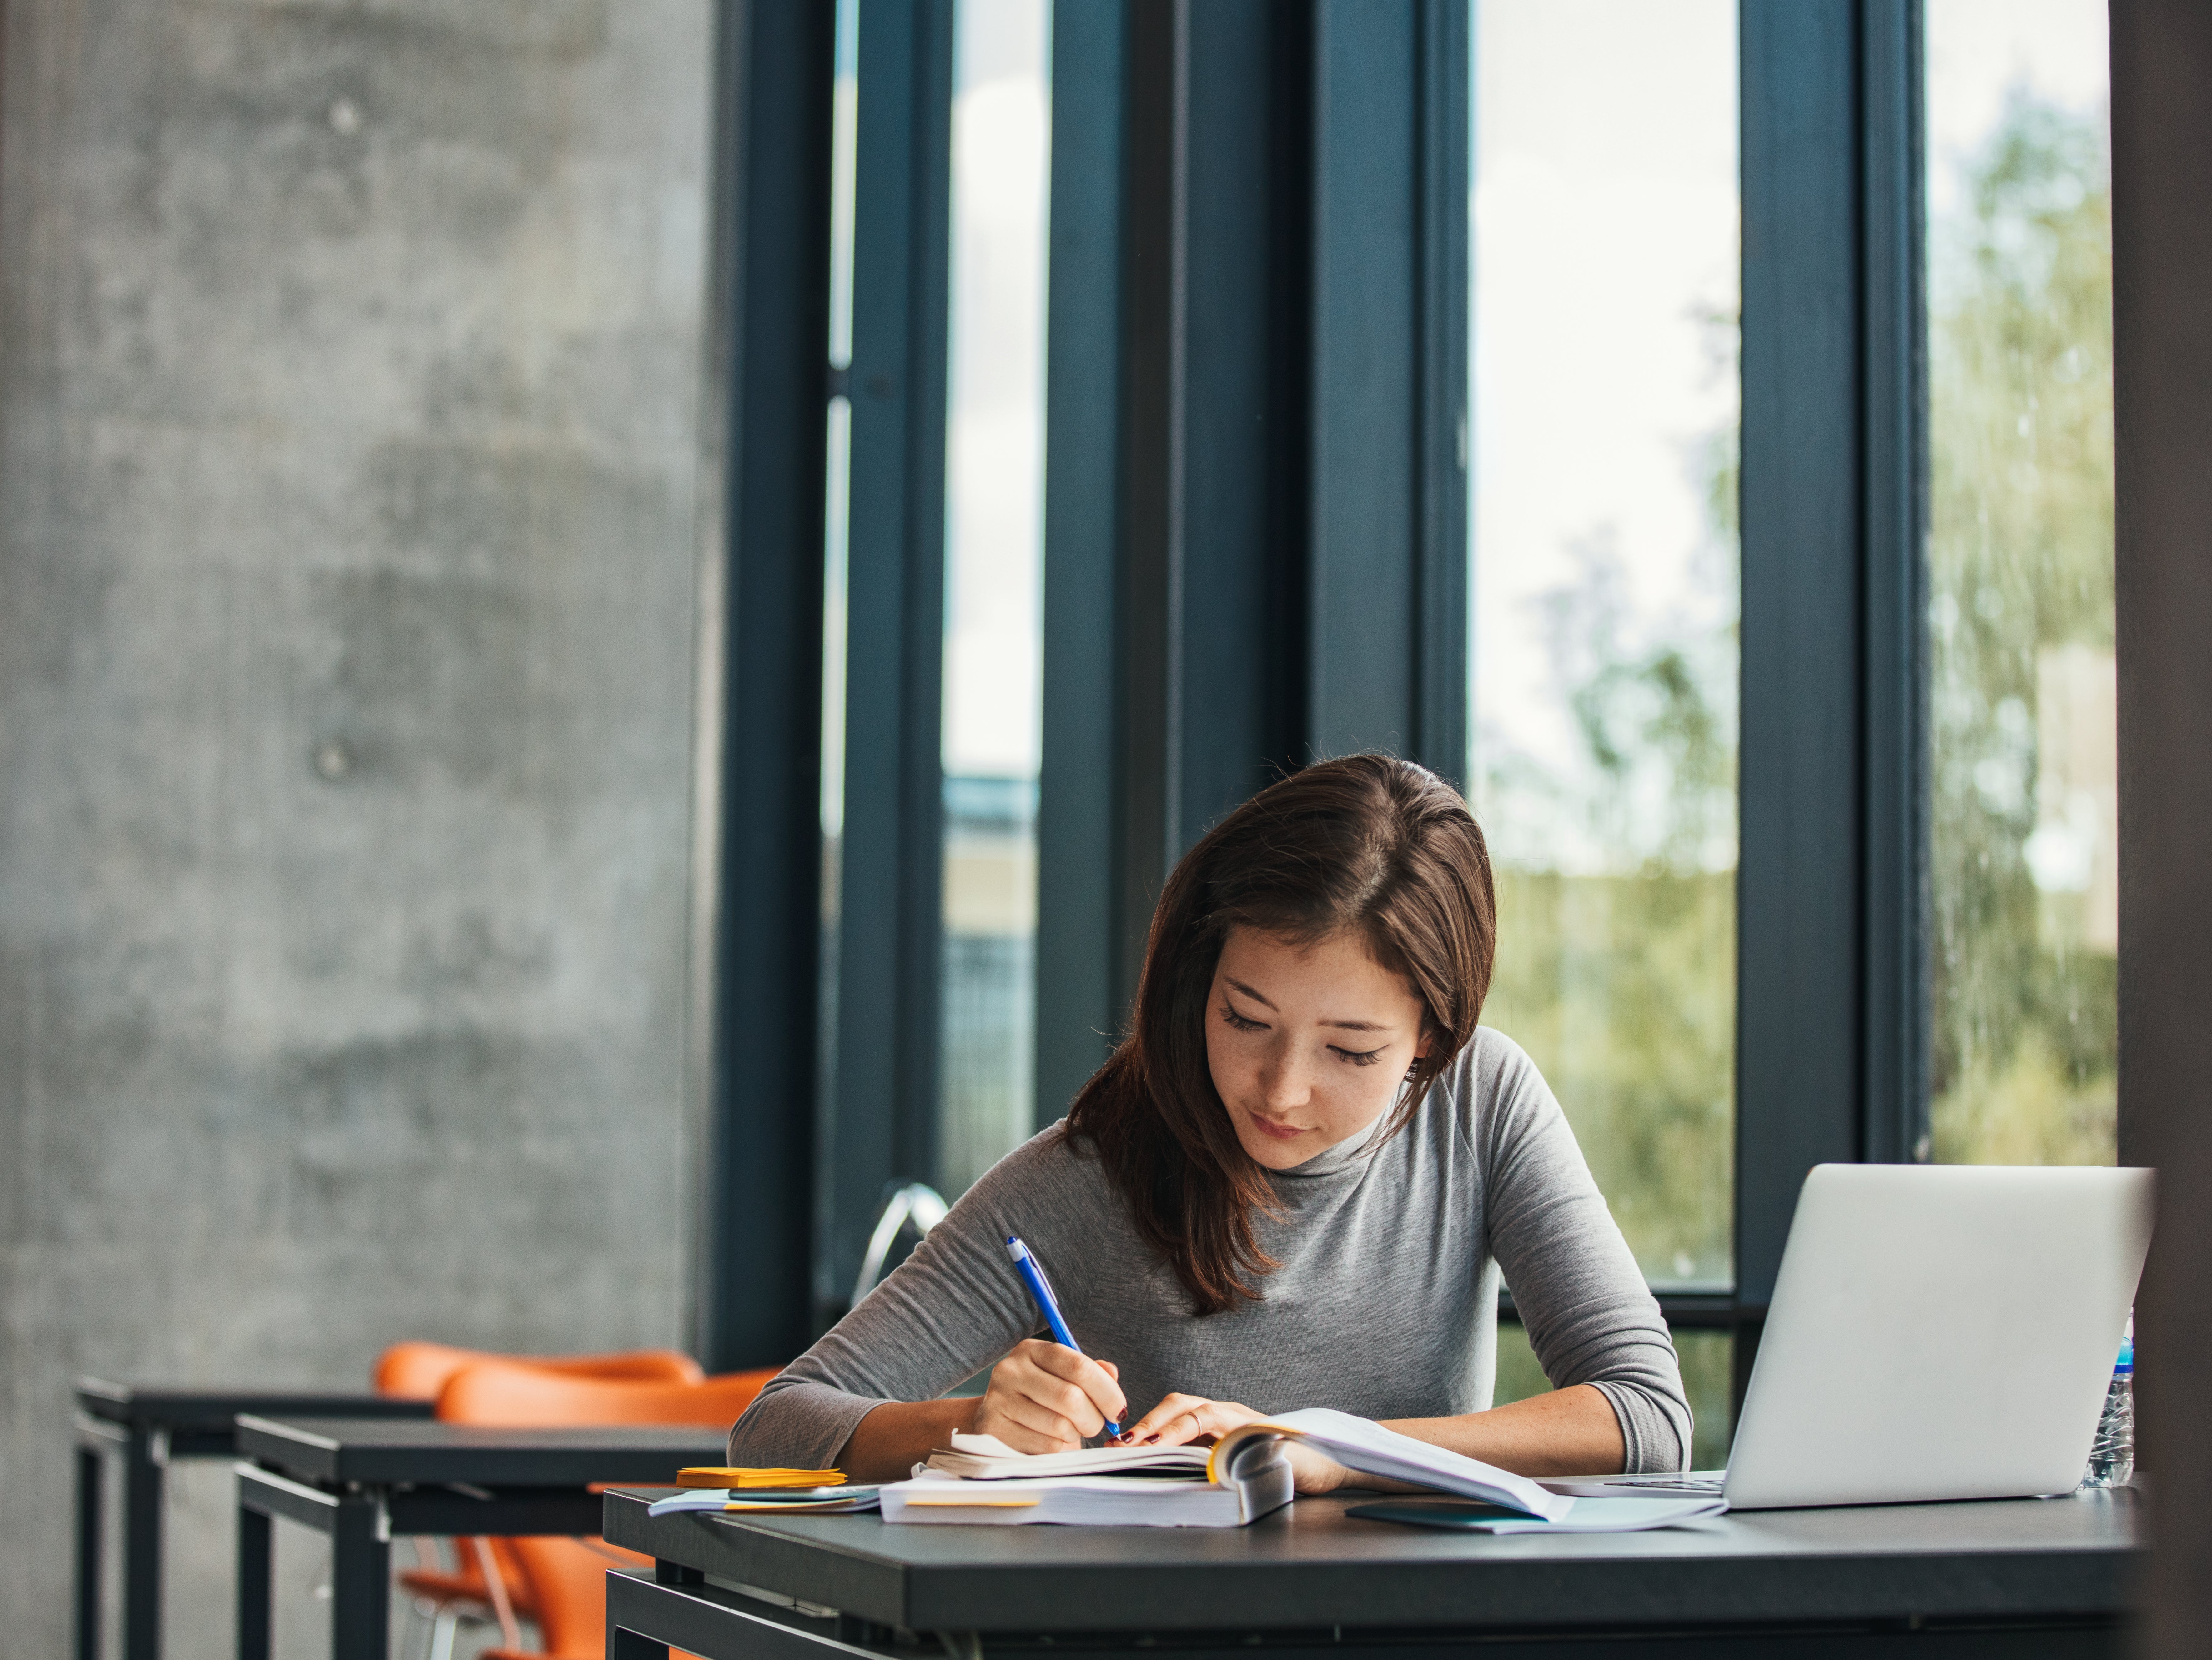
(837, 474)
(994, 563)
(1605, 604)
(2024, 876)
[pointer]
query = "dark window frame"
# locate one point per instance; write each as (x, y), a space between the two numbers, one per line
(777, 69)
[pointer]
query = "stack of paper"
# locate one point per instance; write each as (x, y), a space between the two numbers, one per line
(1092, 1500)
(980, 1480)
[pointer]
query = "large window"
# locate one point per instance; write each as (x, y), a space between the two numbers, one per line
(994, 561)
(1645, 307)
(1606, 599)
(2023, 781)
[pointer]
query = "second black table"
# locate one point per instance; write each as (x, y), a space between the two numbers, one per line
(361, 1482)
(147, 1426)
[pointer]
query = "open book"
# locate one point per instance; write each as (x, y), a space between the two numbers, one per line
(1361, 1444)
(1246, 1477)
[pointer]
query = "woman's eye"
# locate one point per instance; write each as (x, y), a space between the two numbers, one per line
(1238, 1023)
(1360, 1057)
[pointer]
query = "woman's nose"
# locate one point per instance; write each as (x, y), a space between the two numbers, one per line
(1284, 1079)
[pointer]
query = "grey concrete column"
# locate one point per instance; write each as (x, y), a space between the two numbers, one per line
(350, 454)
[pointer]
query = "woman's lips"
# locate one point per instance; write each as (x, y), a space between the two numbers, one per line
(1280, 1132)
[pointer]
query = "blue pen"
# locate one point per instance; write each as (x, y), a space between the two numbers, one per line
(1040, 1289)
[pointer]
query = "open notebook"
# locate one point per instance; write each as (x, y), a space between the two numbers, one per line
(796, 1501)
(1243, 1477)
(986, 1458)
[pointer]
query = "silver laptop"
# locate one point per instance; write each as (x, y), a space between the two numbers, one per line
(1937, 1331)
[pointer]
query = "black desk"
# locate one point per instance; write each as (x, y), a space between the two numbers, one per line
(2027, 1578)
(148, 1427)
(362, 1480)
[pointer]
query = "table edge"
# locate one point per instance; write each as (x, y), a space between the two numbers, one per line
(165, 1406)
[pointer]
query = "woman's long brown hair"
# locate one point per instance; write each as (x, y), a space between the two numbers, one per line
(1369, 845)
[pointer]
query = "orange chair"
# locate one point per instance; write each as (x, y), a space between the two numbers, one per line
(467, 1590)
(528, 1396)
(420, 1370)
(566, 1578)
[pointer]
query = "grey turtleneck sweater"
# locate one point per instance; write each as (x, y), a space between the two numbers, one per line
(1384, 1303)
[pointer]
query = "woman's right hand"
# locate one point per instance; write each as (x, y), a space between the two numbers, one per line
(1045, 1398)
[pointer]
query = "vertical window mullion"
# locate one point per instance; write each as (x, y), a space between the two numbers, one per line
(777, 73)
(1799, 985)
(1894, 1127)
(1078, 1010)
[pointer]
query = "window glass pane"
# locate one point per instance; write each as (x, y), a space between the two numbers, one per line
(1605, 587)
(2023, 774)
(993, 550)
(1707, 1357)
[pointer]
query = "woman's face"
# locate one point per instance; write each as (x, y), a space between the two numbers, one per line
(1308, 1043)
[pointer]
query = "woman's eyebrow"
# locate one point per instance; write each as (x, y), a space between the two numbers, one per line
(1341, 1025)
(1251, 994)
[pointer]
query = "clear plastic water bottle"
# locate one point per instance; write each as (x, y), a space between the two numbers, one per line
(2112, 1454)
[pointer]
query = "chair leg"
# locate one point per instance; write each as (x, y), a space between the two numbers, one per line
(422, 1613)
(510, 1632)
(441, 1634)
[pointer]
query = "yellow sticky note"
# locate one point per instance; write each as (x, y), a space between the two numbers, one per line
(712, 1475)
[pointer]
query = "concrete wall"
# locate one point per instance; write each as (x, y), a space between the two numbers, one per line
(350, 455)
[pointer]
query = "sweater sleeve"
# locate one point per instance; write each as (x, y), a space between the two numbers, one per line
(1590, 1318)
(948, 1311)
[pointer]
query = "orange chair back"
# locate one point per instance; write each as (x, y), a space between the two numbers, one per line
(527, 1396)
(567, 1578)
(420, 1370)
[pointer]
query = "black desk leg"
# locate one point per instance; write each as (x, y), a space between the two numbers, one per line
(253, 1584)
(360, 1580)
(90, 1468)
(143, 1499)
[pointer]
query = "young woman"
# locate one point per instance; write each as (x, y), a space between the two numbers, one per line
(1295, 1184)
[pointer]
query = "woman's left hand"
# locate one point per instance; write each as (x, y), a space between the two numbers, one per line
(1182, 1418)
